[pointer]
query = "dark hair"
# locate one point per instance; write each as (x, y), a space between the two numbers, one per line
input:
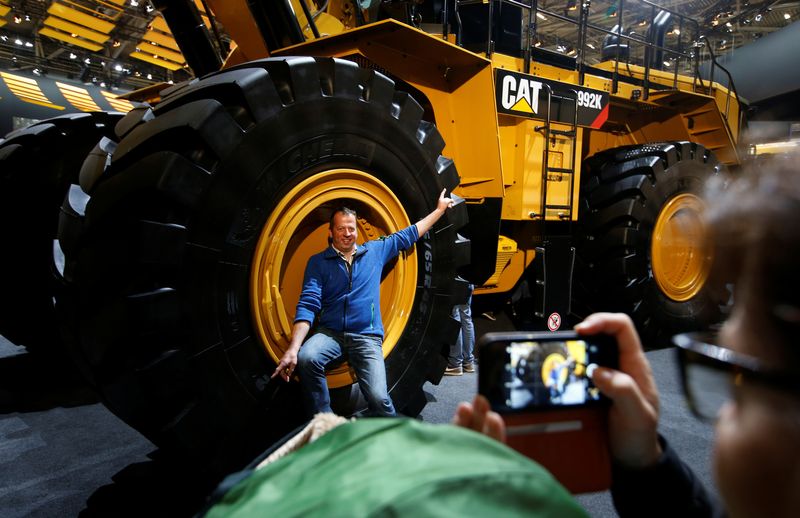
(341, 210)
(754, 233)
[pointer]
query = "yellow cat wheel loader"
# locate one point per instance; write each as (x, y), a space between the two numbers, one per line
(182, 240)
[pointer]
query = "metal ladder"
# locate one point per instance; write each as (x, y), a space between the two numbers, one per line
(571, 135)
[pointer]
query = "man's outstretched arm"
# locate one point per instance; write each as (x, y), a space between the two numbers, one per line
(425, 224)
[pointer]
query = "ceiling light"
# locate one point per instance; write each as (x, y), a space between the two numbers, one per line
(18, 41)
(540, 16)
(590, 46)
(171, 82)
(786, 16)
(17, 18)
(27, 17)
(149, 76)
(4, 37)
(643, 23)
(759, 16)
(37, 72)
(149, 8)
(572, 5)
(571, 51)
(72, 55)
(102, 84)
(667, 64)
(116, 43)
(28, 44)
(729, 25)
(118, 67)
(87, 61)
(134, 3)
(714, 22)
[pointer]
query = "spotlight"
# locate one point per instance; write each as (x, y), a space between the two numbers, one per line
(116, 43)
(17, 18)
(149, 76)
(72, 55)
(759, 16)
(28, 44)
(27, 17)
(87, 61)
(134, 3)
(18, 41)
(667, 64)
(118, 67)
(786, 16)
(37, 72)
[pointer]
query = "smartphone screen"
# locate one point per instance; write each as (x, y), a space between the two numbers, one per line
(530, 371)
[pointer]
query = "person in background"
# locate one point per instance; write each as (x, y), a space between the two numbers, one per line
(461, 358)
(746, 378)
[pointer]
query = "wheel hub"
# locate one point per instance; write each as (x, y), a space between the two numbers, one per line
(680, 261)
(298, 228)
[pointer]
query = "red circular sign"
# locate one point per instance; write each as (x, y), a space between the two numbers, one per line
(553, 321)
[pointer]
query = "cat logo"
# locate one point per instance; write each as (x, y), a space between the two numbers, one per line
(520, 94)
(524, 95)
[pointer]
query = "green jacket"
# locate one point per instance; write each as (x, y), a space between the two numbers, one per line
(399, 467)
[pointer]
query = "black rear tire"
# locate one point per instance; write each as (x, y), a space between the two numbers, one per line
(160, 283)
(37, 165)
(622, 196)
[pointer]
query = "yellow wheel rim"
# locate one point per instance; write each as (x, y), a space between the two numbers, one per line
(298, 229)
(679, 259)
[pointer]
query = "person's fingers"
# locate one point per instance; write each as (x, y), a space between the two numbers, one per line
(463, 415)
(619, 325)
(442, 193)
(632, 359)
(626, 394)
(495, 427)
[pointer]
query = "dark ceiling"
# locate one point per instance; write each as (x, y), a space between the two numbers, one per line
(730, 24)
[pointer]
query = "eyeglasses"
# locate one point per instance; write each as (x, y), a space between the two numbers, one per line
(710, 374)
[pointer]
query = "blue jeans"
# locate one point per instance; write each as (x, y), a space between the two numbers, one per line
(365, 356)
(461, 351)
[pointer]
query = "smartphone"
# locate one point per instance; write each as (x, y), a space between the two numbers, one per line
(541, 384)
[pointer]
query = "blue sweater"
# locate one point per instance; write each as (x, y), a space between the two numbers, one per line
(350, 301)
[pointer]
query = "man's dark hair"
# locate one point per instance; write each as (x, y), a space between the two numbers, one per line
(756, 243)
(341, 210)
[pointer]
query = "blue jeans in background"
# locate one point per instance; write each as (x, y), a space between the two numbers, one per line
(365, 355)
(461, 351)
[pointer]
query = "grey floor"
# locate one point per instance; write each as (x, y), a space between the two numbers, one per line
(63, 454)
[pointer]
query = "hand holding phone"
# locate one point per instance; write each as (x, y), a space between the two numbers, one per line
(541, 385)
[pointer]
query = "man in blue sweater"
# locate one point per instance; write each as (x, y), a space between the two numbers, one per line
(341, 289)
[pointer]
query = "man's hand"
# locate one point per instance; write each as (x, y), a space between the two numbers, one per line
(442, 204)
(477, 416)
(287, 365)
(633, 417)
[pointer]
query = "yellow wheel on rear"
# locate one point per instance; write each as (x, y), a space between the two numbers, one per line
(680, 262)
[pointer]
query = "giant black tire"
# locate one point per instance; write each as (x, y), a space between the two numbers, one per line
(161, 274)
(37, 165)
(624, 194)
